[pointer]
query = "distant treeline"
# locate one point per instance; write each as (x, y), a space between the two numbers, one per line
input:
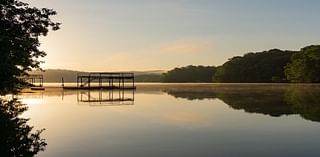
(190, 74)
(272, 66)
(56, 75)
(260, 67)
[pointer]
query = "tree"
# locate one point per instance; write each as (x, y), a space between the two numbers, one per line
(20, 29)
(305, 65)
(16, 136)
(190, 74)
(260, 67)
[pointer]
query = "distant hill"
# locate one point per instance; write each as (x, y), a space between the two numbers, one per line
(55, 75)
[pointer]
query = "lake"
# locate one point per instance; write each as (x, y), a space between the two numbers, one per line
(171, 120)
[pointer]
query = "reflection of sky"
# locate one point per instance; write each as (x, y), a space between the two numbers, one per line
(32, 101)
(151, 34)
(161, 125)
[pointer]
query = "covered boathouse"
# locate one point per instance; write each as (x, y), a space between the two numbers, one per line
(104, 80)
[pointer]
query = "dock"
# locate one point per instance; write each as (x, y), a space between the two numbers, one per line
(36, 81)
(104, 80)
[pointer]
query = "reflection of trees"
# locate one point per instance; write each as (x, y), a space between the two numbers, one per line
(251, 102)
(16, 136)
(304, 101)
(191, 95)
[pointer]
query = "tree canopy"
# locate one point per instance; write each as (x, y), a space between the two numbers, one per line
(20, 29)
(190, 74)
(259, 67)
(17, 137)
(305, 65)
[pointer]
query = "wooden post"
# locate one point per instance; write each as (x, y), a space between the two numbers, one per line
(112, 82)
(119, 94)
(100, 96)
(122, 83)
(62, 96)
(77, 81)
(100, 81)
(62, 82)
(89, 81)
(41, 81)
(81, 97)
(122, 94)
(111, 94)
(133, 82)
(89, 96)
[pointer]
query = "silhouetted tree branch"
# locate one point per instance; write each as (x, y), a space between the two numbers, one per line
(16, 136)
(20, 29)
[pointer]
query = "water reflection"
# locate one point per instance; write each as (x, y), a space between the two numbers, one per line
(274, 102)
(202, 120)
(16, 136)
(305, 102)
(106, 97)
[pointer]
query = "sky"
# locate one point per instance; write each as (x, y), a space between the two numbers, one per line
(121, 35)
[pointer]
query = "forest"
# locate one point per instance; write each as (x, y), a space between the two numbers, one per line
(272, 66)
(190, 74)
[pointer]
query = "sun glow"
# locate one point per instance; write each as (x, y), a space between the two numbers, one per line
(32, 101)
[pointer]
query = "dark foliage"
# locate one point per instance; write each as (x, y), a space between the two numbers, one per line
(20, 29)
(305, 65)
(16, 136)
(200, 74)
(149, 78)
(260, 67)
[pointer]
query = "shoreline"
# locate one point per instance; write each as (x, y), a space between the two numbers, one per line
(186, 86)
(70, 84)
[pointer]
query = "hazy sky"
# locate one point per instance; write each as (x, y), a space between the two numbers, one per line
(111, 35)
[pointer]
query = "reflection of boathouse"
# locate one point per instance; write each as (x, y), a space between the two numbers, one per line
(106, 97)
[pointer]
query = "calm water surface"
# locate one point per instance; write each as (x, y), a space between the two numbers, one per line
(179, 120)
